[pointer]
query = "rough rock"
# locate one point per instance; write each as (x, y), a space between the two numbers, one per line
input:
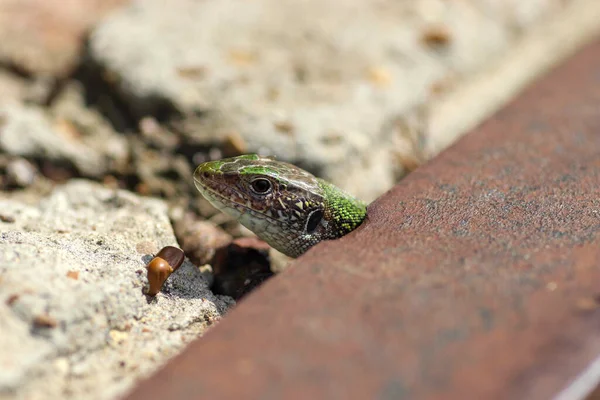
(200, 239)
(20, 173)
(74, 319)
(339, 88)
(12, 87)
(29, 131)
(47, 36)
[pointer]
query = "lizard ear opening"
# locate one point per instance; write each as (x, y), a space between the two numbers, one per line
(313, 221)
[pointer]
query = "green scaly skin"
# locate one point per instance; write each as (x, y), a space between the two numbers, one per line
(295, 212)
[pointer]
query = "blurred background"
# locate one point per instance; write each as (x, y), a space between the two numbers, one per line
(134, 94)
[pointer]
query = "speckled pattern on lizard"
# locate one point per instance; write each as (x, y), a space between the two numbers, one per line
(287, 207)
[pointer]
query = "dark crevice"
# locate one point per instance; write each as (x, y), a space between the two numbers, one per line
(102, 93)
(103, 97)
(17, 70)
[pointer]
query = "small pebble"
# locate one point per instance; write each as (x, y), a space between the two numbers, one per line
(284, 127)
(192, 72)
(380, 76)
(44, 321)
(12, 299)
(587, 303)
(234, 144)
(167, 260)
(20, 172)
(149, 125)
(7, 218)
(73, 275)
(118, 337)
(436, 36)
(213, 154)
(199, 239)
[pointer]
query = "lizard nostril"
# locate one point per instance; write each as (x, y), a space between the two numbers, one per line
(206, 175)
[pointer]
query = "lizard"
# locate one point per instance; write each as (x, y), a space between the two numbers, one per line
(284, 205)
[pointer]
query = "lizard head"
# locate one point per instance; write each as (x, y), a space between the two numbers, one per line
(281, 203)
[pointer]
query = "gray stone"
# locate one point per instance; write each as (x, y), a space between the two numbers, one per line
(29, 131)
(46, 36)
(20, 172)
(12, 87)
(329, 86)
(75, 322)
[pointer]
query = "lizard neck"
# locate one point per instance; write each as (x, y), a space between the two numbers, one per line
(343, 211)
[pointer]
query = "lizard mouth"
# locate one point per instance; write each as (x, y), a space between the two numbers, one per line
(223, 197)
(229, 206)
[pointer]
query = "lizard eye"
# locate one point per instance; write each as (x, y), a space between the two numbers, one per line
(261, 186)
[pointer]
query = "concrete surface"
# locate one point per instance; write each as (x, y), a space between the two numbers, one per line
(74, 320)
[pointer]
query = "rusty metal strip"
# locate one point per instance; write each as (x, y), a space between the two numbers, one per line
(478, 276)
